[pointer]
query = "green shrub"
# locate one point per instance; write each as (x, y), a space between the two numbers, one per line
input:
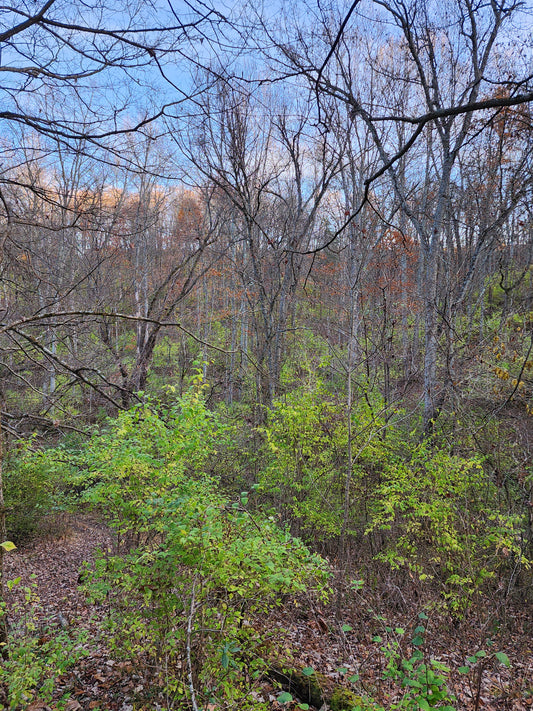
(304, 446)
(307, 445)
(444, 524)
(32, 481)
(195, 571)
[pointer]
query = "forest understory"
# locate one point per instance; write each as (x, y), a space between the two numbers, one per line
(312, 637)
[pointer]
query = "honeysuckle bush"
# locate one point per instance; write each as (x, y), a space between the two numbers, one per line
(445, 526)
(194, 570)
(33, 487)
(304, 447)
(306, 438)
(145, 452)
(424, 511)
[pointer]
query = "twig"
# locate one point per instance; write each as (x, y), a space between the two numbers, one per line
(189, 635)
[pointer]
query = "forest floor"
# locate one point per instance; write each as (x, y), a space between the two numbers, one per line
(313, 634)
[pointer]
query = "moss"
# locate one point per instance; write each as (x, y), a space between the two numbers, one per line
(316, 689)
(345, 700)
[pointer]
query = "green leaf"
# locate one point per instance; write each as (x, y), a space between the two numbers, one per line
(481, 653)
(503, 658)
(423, 703)
(346, 628)
(463, 670)
(420, 629)
(304, 707)
(400, 630)
(422, 616)
(308, 671)
(342, 670)
(8, 546)
(418, 640)
(284, 698)
(353, 678)
(13, 583)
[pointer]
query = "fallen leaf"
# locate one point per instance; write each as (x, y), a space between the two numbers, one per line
(72, 705)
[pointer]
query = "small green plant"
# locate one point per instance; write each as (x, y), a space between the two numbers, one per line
(422, 678)
(475, 667)
(37, 653)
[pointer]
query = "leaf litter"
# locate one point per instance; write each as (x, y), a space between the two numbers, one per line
(341, 647)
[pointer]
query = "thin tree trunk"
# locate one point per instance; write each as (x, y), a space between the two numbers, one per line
(430, 351)
(3, 537)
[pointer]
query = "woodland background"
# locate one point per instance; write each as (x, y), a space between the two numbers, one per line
(266, 310)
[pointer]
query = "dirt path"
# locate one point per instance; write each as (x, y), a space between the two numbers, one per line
(51, 565)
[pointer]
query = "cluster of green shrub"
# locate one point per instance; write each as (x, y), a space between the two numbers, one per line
(194, 570)
(204, 549)
(418, 507)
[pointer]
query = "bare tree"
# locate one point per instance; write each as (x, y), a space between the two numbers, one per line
(448, 57)
(78, 82)
(262, 153)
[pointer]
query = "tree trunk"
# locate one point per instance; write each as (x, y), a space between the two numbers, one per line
(3, 537)
(430, 342)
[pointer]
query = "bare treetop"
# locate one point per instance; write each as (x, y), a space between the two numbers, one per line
(94, 62)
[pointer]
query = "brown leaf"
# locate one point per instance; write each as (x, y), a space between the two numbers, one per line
(322, 624)
(72, 705)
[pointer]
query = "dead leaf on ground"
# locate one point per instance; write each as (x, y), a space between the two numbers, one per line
(72, 705)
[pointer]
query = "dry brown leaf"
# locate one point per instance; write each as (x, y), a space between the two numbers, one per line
(72, 705)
